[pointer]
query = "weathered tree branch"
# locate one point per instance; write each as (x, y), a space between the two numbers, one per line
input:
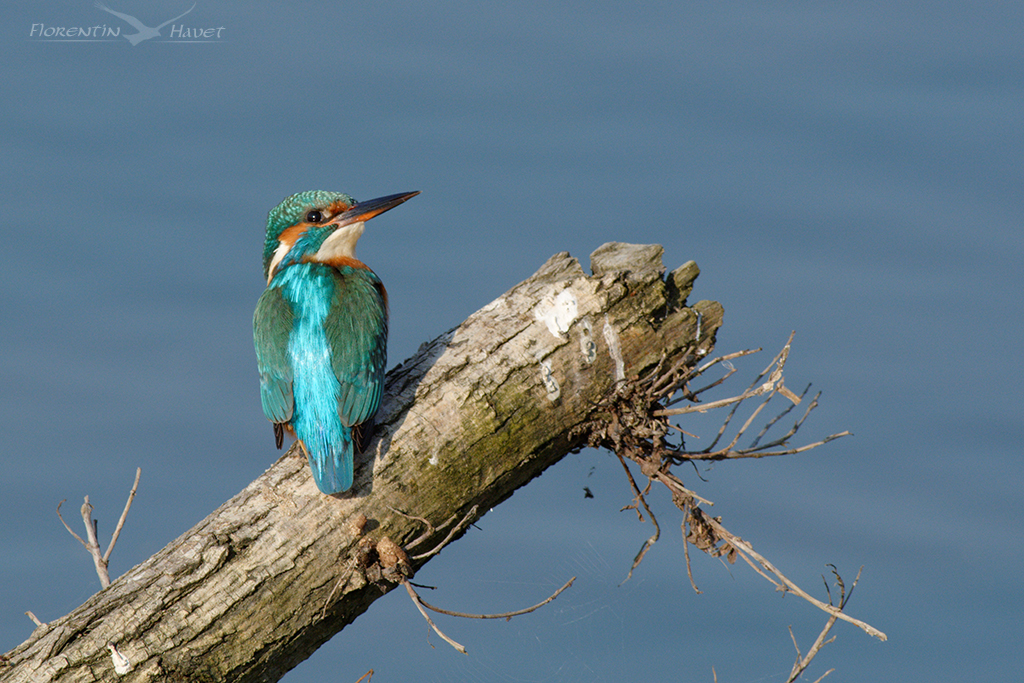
(274, 572)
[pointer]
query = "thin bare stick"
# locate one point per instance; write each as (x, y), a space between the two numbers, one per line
(334, 589)
(779, 586)
(419, 605)
(754, 389)
(456, 529)
(661, 380)
(635, 426)
(802, 662)
(746, 425)
(124, 515)
(736, 455)
(764, 403)
(678, 489)
(772, 385)
(680, 429)
(426, 522)
(768, 425)
(417, 518)
(705, 407)
(796, 425)
(94, 545)
(690, 395)
(99, 558)
(368, 676)
(654, 520)
(503, 615)
(34, 618)
(86, 545)
(669, 384)
(743, 548)
(758, 563)
(686, 551)
(721, 429)
(727, 357)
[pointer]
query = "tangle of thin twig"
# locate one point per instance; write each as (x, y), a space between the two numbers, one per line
(634, 424)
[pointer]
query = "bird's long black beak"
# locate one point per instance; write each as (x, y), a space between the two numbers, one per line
(364, 211)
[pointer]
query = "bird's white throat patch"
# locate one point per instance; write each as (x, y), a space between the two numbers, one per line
(340, 243)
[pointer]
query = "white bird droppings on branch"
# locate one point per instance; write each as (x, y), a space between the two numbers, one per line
(558, 312)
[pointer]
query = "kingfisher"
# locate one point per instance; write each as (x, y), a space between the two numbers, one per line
(321, 330)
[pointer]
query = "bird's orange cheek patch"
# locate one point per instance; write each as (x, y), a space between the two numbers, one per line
(291, 235)
(338, 207)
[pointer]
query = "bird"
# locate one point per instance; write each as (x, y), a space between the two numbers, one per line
(320, 330)
(144, 32)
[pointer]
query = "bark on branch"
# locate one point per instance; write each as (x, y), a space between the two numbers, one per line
(273, 573)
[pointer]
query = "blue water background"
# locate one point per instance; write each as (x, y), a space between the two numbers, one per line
(851, 171)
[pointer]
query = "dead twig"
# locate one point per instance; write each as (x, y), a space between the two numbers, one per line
(503, 615)
(686, 551)
(101, 559)
(783, 583)
(640, 500)
(378, 568)
(753, 453)
(124, 515)
(802, 662)
(426, 522)
(422, 606)
(635, 425)
(466, 520)
(770, 386)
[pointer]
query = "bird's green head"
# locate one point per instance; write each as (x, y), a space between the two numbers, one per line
(299, 209)
(319, 225)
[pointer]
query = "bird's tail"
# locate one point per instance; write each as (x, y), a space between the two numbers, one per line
(331, 461)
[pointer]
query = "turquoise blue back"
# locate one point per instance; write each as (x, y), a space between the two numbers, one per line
(321, 347)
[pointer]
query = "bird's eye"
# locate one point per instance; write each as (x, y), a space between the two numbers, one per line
(314, 216)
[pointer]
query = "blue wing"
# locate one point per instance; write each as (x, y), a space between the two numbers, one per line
(272, 324)
(357, 332)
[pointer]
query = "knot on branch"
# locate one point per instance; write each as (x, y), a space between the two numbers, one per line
(394, 560)
(383, 562)
(703, 535)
